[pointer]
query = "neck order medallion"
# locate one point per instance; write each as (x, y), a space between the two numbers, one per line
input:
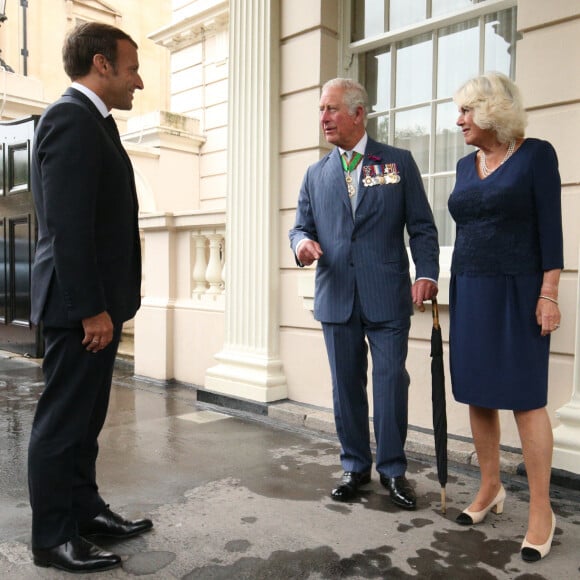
(348, 168)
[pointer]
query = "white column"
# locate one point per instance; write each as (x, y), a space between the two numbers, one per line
(249, 365)
(567, 434)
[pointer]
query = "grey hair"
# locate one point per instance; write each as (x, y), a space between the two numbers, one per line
(355, 95)
(497, 105)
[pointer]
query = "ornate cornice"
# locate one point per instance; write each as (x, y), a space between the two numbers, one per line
(189, 30)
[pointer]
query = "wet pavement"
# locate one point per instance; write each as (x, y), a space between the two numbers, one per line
(238, 495)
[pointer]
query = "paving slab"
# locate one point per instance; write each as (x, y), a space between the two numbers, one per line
(242, 495)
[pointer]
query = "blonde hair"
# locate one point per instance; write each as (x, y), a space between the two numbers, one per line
(496, 103)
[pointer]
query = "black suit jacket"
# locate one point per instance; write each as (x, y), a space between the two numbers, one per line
(88, 257)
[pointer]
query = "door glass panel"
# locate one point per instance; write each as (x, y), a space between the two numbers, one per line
(20, 267)
(414, 70)
(2, 190)
(412, 130)
(3, 273)
(458, 45)
(18, 167)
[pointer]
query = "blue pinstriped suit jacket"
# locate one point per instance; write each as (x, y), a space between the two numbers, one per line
(366, 252)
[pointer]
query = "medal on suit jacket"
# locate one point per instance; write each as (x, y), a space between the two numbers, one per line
(348, 169)
(380, 174)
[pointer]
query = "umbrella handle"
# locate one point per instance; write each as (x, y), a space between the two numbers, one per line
(435, 313)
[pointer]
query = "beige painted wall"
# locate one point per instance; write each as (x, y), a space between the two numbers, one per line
(199, 88)
(47, 24)
(548, 52)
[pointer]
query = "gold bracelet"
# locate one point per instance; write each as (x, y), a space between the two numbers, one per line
(548, 298)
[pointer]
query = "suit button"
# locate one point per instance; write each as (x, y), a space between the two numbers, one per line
(353, 239)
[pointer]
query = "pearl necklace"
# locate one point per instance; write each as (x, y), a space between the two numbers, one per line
(483, 166)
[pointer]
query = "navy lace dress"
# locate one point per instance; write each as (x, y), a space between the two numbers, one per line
(509, 231)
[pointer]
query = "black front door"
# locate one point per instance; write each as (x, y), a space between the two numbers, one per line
(17, 238)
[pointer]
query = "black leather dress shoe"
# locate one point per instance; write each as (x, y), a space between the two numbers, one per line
(76, 555)
(348, 487)
(112, 525)
(401, 492)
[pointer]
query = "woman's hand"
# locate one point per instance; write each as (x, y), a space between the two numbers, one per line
(548, 316)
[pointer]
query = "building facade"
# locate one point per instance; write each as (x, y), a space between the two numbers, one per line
(220, 158)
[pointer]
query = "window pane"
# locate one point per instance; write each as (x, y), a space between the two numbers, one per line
(378, 128)
(457, 57)
(368, 18)
(449, 143)
(403, 12)
(412, 132)
(500, 41)
(20, 267)
(3, 273)
(378, 80)
(440, 7)
(442, 187)
(414, 70)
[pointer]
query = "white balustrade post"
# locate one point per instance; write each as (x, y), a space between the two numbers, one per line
(249, 365)
(213, 274)
(567, 434)
(200, 266)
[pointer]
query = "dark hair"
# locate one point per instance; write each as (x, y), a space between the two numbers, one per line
(86, 40)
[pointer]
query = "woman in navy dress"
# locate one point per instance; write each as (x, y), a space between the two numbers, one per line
(504, 293)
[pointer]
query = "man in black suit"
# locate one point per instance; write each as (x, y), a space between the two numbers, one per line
(85, 283)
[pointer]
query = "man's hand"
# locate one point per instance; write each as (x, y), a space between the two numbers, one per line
(98, 332)
(308, 252)
(422, 291)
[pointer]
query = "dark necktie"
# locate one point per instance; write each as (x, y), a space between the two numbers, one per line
(113, 130)
(112, 127)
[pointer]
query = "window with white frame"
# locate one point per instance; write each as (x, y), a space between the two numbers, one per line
(412, 55)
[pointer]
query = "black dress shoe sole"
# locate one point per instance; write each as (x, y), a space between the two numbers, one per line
(80, 570)
(115, 536)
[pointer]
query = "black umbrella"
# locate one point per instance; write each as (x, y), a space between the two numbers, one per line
(439, 406)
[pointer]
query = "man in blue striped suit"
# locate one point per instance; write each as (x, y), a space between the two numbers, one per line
(353, 208)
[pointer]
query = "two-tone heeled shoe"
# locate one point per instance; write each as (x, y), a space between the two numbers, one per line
(469, 518)
(533, 552)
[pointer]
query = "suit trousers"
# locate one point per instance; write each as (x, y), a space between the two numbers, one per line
(348, 357)
(63, 445)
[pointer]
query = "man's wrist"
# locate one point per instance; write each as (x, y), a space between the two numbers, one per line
(426, 278)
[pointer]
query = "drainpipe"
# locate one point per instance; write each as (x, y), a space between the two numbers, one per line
(24, 51)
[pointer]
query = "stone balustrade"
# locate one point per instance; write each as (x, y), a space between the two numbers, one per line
(184, 259)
